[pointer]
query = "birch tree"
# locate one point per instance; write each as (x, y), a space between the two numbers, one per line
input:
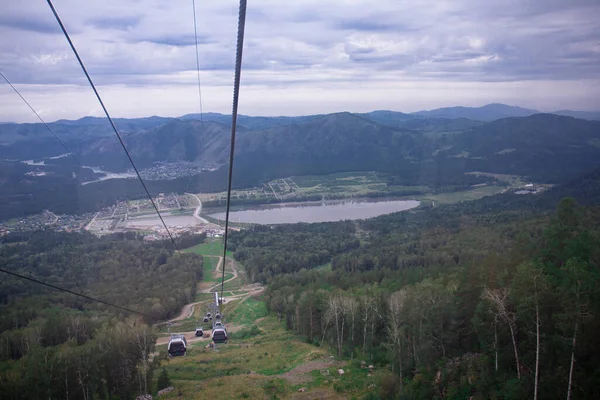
(577, 288)
(396, 320)
(530, 286)
(498, 299)
(335, 315)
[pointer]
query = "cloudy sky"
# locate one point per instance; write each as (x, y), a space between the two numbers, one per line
(301, 56)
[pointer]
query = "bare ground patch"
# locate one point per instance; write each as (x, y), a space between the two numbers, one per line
(301, 374)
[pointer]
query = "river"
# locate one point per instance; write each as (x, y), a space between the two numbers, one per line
(315, 212)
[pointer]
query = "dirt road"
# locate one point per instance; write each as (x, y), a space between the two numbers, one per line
(188, 310)
(198, 209)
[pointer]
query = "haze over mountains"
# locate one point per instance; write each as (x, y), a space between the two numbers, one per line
(425, 146)
(432, 150)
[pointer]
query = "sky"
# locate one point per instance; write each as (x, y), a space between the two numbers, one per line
(300, 57)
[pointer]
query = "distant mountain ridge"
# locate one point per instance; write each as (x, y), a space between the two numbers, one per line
(489, 112)
(589, 115)
(546, 147)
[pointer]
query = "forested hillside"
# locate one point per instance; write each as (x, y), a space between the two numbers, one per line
(474, 303)
(545, 147)
(270, 251)
(432, 152)
(56, 345)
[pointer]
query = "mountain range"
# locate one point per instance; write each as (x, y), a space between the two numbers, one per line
(406, 149)
(435, 147)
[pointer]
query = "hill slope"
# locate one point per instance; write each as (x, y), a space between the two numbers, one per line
(590, 115)
(488, 112)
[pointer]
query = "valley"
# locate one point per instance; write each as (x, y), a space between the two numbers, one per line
(370, 256)
(198, 213)
(262, 360)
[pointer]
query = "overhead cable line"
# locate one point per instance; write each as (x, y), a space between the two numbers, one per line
(42, 120)
(77, 294)
(202, 141)
(198, 65)
(236, 96)
(62, 27)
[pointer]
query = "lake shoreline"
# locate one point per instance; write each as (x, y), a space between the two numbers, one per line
(314, 211)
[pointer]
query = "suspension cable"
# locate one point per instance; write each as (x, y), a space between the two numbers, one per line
(43, 122)
(62, 27)
(198, 65)
(201, 127)
(77, 294)
(236, 95)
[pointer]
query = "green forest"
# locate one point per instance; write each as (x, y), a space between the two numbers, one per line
(496, 298)
(471, 304)
(59, 346)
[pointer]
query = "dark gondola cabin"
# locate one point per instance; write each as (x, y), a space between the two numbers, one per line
(177, 346)
(199, 332)
(219, 334)
(205, 319)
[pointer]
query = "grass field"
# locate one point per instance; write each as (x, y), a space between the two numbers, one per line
(248, 311)
(340, 185)
(454, 197)
(210, 263)
(357, 185)
(262, 360)
(211, 248)
(252, 368)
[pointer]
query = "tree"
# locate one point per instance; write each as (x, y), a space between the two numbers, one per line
(335, 315)
(396, 304)
(163, 380)
(145, 339)
(498, 299)
(530, 287)
(366, 303)
(350, 306)
(577, 288)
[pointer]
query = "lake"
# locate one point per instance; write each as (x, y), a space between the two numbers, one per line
(317, 212)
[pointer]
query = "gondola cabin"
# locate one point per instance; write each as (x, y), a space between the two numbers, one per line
(205, 319)
(219, 334)
(199, 332)
(177, 346)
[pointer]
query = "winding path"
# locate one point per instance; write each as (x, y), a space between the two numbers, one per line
(218, 269)
(198, 209)
(188, 310)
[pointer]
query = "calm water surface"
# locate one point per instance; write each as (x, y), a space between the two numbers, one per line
(314, 212)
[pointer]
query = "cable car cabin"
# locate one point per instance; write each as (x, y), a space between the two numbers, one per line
(177, 346)
(219, 334)
(208, 314)
(205, 319)
(199, 331)
(218, 316)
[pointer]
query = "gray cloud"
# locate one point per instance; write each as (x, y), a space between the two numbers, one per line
(309, 43)
(27, 23)
(119, 23)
